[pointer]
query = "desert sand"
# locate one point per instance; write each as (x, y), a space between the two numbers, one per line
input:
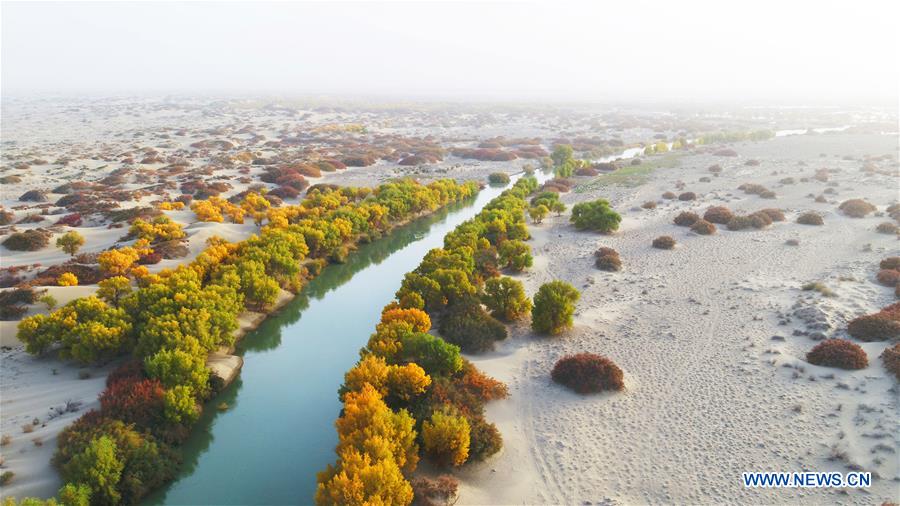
(716, 385)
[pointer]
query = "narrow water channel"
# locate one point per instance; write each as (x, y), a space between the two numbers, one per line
(278, 429)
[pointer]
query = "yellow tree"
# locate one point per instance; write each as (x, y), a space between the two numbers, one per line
(67, 279)
(446, 438)
(117, 262)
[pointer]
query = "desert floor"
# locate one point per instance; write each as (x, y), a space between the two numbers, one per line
(711, 392)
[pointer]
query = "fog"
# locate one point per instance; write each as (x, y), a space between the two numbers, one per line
(791, 52)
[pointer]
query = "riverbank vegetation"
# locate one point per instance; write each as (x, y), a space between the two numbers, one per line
(169, 322)
(441, 414)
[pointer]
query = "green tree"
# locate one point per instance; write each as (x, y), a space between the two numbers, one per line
(516, 255)
(436, 356)
(558, 207)
(99, 468)
(505, 298)
(70, 242)
(554, 305)
(113, 289)
(178, 367)
(562, 154)
(72, 494)
(538, 213)
(181, 407)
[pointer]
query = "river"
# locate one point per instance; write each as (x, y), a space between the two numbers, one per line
(278, 430)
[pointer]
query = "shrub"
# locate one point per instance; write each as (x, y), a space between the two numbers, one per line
(138, 401)
(718, 214)
(650, 204)
(67, 279)
(703, 227)
(588, 373)
(498, 178)
(442, 490)
(554, 305)
(887, 228)
(71, 220)
(890, 263)
(446, 438)
(29, 240)
(484, 439)
(468, 326)
(880, 326)
(773, 214)
(505, 298)
(669, 196)
(686, 219)
(810, 218)
(608, 260)
(686, 196)
(891, 358)
(6, 217)
(856, 208)
(767, 194)
(664, 242)
(838, 353)
(888, 277)
(756, 220)
(596, 216)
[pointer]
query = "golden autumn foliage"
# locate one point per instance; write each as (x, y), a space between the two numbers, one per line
(160, 228)
(215, 208)
(446, 438)
(366, 417)
(67, 279)
(376, 446)
(171, 206)
(118, 262)
(400, 381)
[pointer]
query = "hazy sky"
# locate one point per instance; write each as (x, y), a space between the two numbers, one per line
(790, 50)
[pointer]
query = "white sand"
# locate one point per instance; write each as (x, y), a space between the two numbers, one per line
(709, 394)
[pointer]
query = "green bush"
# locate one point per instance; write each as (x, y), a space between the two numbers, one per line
(468, 326)
(596, 216)
(554, 305)
(498, 178)
(505, 298)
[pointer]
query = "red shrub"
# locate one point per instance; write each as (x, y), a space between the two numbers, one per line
(703, 227)
(138, 401)
(880, 326)
(669, 195)
(72, 220)
(890, 263)
(587, 372)
(773, 214)
(718, 214)
(838, 353)
(664, 242)
(686, 219)
(888, 277)
(133, 370)
(810, 218)
(150, 258)
(856, 208)
(891, 358)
